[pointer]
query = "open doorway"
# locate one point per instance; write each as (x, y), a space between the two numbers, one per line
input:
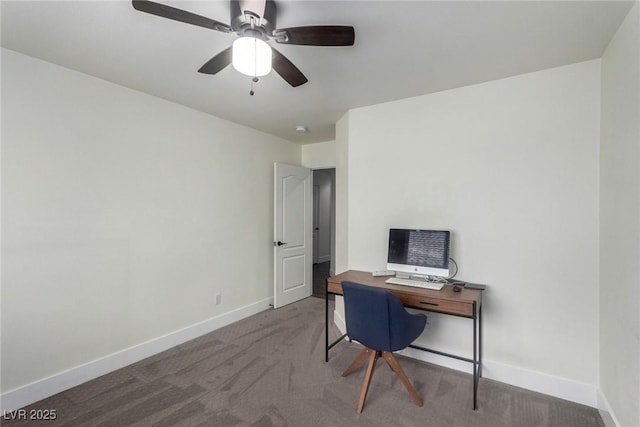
(324, 217)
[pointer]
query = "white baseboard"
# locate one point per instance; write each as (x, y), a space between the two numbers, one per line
(605, 411)
(585, 394)
(340, 322)
(563, 388)
(30, 393)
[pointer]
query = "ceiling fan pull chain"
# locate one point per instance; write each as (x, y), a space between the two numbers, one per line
(255, 67)
(253, 80)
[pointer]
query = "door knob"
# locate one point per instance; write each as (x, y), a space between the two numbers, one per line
(279, 243)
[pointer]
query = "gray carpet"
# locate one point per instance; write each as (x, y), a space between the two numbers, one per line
(268, 370)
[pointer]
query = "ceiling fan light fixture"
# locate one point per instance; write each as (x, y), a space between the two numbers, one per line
(251, 56)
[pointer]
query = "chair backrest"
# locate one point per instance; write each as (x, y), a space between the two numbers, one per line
(377, 319)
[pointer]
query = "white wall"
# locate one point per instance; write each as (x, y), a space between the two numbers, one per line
(319, 155)
(123, 216)
(342, 194)
(619, 226)
(511, 168)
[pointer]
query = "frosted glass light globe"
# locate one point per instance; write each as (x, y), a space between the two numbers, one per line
(251, 56)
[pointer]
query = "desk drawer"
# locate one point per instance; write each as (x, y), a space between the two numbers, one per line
(460, 308)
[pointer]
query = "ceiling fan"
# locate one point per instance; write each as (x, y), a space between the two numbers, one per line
(254, 21)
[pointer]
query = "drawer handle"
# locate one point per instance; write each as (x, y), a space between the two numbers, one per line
(429, 303)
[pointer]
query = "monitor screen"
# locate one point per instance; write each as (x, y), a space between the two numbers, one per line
(419, 252)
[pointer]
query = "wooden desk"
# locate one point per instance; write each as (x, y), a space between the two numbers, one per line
(467, 303)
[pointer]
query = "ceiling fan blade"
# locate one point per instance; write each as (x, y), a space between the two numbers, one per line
(320, 35)
(287, 70)
(217, 63)
(179, 15)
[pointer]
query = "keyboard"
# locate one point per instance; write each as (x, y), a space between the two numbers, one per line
(436, 286)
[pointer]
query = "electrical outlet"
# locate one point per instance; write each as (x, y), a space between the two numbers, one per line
(218, 299)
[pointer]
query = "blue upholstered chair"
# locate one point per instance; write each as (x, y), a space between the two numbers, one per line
(376, 319)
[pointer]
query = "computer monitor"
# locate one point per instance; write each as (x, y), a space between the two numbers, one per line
(418, 252)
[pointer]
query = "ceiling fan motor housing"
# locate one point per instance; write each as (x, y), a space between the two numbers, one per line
(251, 16)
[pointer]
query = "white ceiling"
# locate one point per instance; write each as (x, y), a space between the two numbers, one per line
(402, 49)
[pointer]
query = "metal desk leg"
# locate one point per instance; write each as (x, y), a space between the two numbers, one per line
(328, 346)
(475, 358)
(480, 343)
(326, 323)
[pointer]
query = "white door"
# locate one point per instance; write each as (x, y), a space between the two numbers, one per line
(292, 243)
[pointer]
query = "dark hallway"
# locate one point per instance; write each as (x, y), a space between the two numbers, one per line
(320, 274)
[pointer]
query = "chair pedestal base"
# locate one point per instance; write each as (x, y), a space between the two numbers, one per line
(373, 356)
